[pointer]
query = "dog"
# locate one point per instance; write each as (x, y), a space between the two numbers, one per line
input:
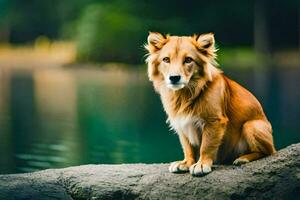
(217, 120)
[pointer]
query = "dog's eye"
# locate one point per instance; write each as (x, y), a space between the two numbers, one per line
(166, 59)
(188, 60)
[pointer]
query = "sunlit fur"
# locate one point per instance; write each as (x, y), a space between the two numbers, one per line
(217, 120)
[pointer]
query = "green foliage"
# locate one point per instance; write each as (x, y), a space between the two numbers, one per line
(106, 33)
(239, 57)
(115, 30)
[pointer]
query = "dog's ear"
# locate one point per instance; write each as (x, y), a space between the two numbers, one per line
(206, 42)
(156, 41)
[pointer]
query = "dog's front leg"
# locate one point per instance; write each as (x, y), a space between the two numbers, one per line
(189, 157)
(212, 136)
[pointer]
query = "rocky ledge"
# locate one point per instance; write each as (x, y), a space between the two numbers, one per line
(274, 177)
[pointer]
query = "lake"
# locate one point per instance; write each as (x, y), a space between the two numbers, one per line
(55, 117)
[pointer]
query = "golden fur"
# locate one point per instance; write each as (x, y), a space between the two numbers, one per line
(217, 120)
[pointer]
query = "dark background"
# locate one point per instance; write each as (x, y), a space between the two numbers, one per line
(110, 30)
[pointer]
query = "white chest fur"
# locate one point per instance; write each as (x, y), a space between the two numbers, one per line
(190, 126)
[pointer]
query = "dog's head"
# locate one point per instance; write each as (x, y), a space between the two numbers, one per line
(178, 61)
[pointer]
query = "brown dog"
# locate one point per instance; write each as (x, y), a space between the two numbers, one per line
(216, 119)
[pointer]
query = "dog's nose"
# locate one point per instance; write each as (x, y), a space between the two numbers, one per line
(174, 79)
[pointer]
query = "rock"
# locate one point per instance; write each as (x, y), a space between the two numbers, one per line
(274, 177)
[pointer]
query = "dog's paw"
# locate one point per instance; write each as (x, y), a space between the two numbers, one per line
(240, 161)
(200, 169)
(179, 166)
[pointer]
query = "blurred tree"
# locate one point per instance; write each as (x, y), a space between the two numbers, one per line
(261, 39)
(29, 19)
(108, 33)
(4, 21)
(104, 28)
(33, 18)
(283, 23)
(116, 31)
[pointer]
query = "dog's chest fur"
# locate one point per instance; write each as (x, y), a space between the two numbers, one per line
(190, 126)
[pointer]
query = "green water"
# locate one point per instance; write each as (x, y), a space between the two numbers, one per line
(53, 118)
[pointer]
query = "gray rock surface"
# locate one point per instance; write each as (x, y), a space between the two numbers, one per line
(274, 177)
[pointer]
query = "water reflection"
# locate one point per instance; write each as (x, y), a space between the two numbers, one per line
(59, 117)
(7, 161)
